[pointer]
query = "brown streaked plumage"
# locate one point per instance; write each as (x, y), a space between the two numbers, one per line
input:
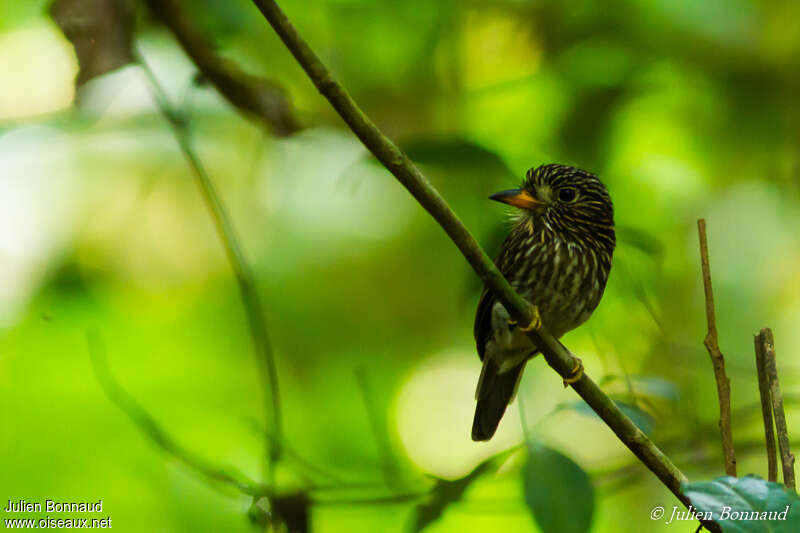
(558, 257)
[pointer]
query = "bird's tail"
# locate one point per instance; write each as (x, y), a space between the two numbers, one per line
(495, 391)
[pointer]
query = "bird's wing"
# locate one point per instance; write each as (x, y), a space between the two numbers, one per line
(483, 316)
(483, 321)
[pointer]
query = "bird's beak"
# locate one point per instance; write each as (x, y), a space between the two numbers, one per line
(517, 198)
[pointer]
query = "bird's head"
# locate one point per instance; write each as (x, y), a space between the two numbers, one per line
(568, 202)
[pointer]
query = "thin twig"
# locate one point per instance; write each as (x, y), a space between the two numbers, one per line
(787, 458)
(265, 358)
(228, 476)
(717, 359)
(766, 409)
(377, 500)
(256, 97)
(557, 356)
(289, 453)
(378, 428)
(151, 428)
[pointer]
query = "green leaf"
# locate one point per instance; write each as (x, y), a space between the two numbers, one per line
(558, 492)
(656, 387)
(733, 501)
(638, 416)
(650, 386)
(641, 240)
(462, 153)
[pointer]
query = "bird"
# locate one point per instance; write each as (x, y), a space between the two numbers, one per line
(558, 258)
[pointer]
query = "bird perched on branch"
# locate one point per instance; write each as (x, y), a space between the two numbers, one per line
(557, 257)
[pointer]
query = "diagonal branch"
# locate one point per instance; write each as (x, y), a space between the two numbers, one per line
(256, 97)
(712, 345)
(557, 356)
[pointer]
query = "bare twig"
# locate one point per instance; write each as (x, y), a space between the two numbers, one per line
(289, 453)
(151, 428)
(766, 410)
(712, 345)
(256, 97)
(787, 458)
(376, 500)
(377, 425)
(227, 476)
(251, 302)
(557, 356)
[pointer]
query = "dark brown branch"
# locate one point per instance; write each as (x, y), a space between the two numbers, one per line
(255, 97)
(717, 360)
(557, 356)
(787, 459)
(101, 32)
(766, 409)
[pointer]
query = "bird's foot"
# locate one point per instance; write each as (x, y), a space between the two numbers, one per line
(535, 323)
(576, 373)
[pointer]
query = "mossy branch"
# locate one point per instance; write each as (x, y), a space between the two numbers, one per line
(557, 356)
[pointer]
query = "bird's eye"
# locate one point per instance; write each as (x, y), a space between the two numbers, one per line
(567, 194)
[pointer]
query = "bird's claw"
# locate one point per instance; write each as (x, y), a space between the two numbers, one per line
(535, 323)
(576, 374)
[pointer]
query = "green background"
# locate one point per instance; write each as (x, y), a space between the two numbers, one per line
(684, 109)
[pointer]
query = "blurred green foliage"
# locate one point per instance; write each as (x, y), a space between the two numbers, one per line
(684, 109)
